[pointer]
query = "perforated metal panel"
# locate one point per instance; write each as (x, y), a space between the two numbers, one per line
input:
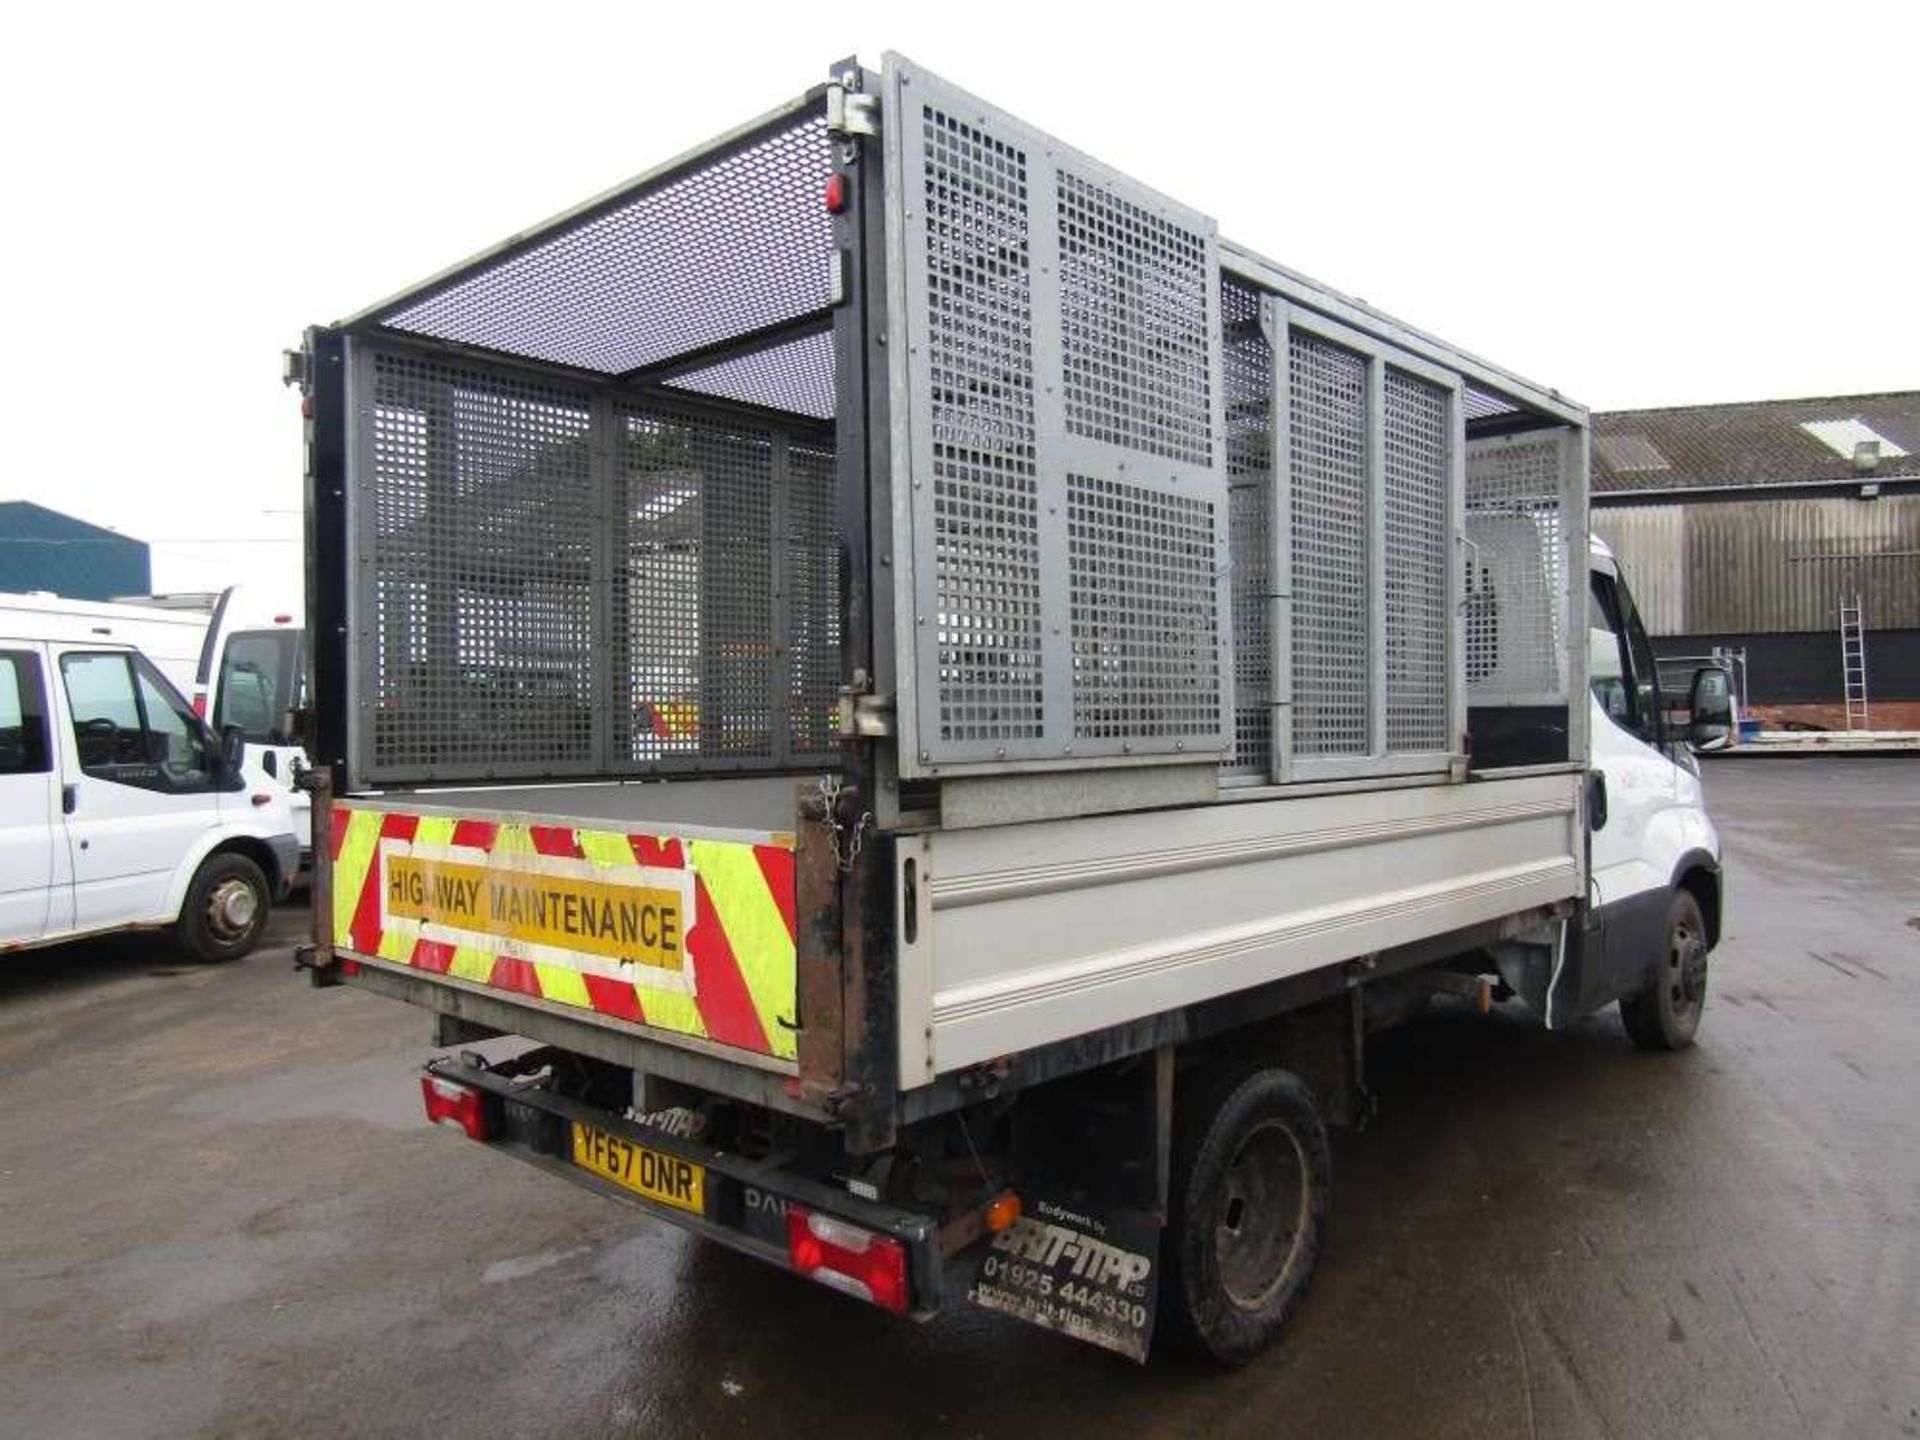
(813, 602)
(1327, 444)
(1145, 641)
(1134, 296)
(796, 377)
(563, 586)
(699, 523)
(1246, 370)
(737, 244)
(479, 524)
(1418, 444)
(1058, 322)
(979, 377)
(1516, 571)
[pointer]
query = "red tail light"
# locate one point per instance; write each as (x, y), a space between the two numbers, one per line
(847, 1258)
(456, 1105)
(200, 707)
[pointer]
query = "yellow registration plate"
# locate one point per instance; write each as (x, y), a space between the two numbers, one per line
(665, 1178)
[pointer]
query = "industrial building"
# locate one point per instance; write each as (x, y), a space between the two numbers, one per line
(41, 549)
(1750, 527)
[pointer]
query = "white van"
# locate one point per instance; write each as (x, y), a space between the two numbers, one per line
(251, 673)
(171, 633)
(119, 809)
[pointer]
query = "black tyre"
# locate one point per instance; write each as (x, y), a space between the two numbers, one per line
(1251, 1172)
(1666, 1014)
(225, 911)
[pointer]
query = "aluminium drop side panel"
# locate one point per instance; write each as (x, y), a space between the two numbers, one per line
(1060, 502)
(1024, 935)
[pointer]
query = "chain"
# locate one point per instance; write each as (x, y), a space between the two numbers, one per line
(846, 841)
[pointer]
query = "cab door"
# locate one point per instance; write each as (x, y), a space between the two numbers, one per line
(32, 868)
(259, 679)
(1633, 790)
(143, 784)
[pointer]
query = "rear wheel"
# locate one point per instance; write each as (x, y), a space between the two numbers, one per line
(225, 910)
(1251, 1172)
(1666, 1014)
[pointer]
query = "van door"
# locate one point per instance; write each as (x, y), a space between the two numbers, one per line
(145, 786)
(259, 680)
(1635, 788)
(29, 804)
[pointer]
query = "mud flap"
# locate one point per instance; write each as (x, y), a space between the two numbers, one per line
(1090, 1166)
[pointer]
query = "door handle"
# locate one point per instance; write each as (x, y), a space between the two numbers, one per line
(69, 799)
(1596, 800)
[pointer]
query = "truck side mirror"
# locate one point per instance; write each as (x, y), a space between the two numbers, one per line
(1710, 709)
(233, 749)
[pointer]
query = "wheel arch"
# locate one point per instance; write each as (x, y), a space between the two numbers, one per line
(1698, 873)
(253, 847)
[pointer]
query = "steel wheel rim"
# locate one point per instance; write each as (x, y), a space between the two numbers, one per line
(1685, 985)
(1261, 1223)
(231, 910)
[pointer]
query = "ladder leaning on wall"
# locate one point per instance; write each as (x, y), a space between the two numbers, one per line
(1853, 660)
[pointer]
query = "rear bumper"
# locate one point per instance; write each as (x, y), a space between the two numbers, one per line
(745, 1201)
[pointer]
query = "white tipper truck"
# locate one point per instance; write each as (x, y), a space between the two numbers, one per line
(938, 700)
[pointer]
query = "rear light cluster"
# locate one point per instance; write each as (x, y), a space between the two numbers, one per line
(456, 1105)
(847, 1258)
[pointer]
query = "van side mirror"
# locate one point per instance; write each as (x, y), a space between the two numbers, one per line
(233, 749)
(1710, 709)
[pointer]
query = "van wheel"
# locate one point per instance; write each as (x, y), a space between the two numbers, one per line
(1666, 1014)
(1251, 1172)
(225, 911)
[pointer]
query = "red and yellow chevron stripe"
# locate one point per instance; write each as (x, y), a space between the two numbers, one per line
(688, 935)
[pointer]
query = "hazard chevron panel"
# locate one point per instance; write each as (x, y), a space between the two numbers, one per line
(688, 935)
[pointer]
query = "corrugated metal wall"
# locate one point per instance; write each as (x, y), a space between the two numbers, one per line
(1768, 566)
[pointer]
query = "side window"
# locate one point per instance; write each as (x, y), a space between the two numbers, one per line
(1620, 661)
(174, 737)
(254, 671)
(129, 726)
(23, 716)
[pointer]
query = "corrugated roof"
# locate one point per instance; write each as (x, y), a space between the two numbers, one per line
(1756, 443)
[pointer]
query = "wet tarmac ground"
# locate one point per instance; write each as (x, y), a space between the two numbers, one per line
(221, 1214)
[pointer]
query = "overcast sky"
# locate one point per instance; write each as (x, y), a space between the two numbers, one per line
(1639, 205)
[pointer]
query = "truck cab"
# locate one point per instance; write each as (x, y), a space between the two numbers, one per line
(120, 809)
(1658, 891)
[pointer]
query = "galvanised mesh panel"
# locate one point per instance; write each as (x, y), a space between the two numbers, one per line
(979, 356)
(813, 601)
(1516, 600)
(482, 548)
(1418, 451)
(1246, 375)
(1133, 321)
(796, 377)
(1143, 607)
(696, 609)
(728, 248)
(1327, 447)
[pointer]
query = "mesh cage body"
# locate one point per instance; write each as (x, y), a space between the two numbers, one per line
(1061, 452)
(1246, 368)
(1516, 583)
(729, 247)
(557, 584)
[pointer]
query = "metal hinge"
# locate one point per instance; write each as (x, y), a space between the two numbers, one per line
(848, 111)
(863, 714)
